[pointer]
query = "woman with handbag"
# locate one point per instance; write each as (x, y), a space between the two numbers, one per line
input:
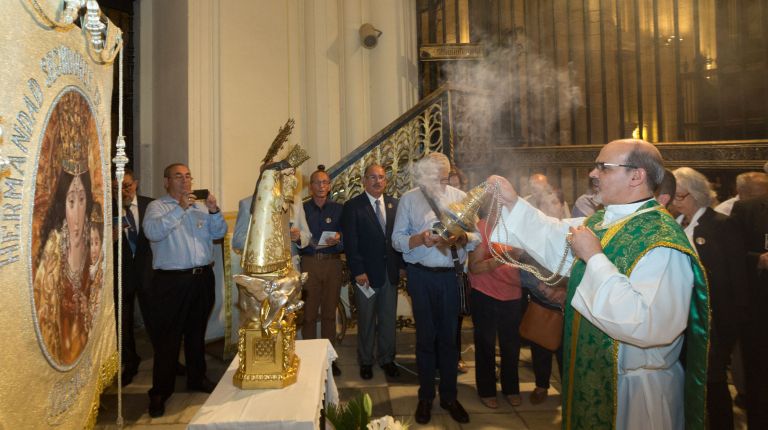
(495, 303)
(541, 307)
(537, 294)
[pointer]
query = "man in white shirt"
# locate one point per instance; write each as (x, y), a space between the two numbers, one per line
(749, 185)
(432, 282)
(632, 273)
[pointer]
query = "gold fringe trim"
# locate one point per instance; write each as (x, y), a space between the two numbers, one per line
(107, 374)
(228, 287)
(662, 244)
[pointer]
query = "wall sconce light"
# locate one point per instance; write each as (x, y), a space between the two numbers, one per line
(639, 133)
(369, 35)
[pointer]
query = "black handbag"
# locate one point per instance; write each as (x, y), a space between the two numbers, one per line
(462, 280)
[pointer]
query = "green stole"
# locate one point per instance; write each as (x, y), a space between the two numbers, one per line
(590, 363)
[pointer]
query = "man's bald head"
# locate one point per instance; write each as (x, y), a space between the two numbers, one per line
(752, 185)
(539, 183)
(627, 170)
(643, 155)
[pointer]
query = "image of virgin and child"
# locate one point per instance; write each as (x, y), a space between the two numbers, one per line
(68, 232)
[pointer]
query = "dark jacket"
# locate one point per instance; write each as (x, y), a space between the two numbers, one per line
(137, 270)
(368, 248)
(751, 218)
(720, 247)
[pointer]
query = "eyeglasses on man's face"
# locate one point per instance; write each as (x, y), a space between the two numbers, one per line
(603, 166)
(180, 177)
(374, 178)
(681, 197)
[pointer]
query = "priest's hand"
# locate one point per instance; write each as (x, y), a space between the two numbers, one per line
(584, 243)
(507, 191)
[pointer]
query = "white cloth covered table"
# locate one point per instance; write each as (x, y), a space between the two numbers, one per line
(294, 407)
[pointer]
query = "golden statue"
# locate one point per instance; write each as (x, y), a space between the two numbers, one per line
(269, 287)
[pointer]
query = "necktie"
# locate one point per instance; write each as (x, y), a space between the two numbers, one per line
(133, 234)
(380, 216)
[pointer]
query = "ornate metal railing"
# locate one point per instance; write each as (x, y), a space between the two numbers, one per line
(425, 128)
(460, 123)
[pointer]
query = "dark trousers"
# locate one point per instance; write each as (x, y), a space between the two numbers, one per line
(754, 348)
(178, 306)
(719, 403)
(492, 317)
(322, 288)
(376, 317)
(542, 363)
(435, 300)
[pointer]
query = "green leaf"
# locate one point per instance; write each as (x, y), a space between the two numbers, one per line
(355, 415)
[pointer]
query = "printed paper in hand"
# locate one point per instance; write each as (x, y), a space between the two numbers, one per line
(366, 290)
(323, 241)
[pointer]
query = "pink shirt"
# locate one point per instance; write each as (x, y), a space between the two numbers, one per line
(501, 283)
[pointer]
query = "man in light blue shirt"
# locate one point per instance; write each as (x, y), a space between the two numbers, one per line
(432, 282)
(181, 233)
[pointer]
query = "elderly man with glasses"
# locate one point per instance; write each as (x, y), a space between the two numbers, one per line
(322, 260)
(635, 285)
(181, 233)
(375, 267)
(432, 281)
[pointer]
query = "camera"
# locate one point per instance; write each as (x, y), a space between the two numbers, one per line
(201, 194)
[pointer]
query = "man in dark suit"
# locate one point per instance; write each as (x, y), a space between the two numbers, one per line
(136, 263)
(375, 268)
(751, 216)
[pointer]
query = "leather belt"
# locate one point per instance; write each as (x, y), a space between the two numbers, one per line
(322, 256)
(434, 269)
(193, 271)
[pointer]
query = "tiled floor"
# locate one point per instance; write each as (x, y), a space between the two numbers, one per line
(396, 397)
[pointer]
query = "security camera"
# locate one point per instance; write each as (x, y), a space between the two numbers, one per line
(369, 35)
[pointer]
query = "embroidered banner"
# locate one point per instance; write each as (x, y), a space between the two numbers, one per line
(58, 348)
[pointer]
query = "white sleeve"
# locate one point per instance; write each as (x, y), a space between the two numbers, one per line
(650, 308)
(300, 221)
(541, 236)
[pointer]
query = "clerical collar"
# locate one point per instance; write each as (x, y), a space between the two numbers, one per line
(644, 199)
(616, 214)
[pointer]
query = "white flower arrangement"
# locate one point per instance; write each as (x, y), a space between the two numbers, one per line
(356, 415)
(386, 423)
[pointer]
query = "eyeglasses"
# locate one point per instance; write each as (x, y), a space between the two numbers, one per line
(180, 177)
(376, 177)
(602, 166)
(322, 182)
(681, 197)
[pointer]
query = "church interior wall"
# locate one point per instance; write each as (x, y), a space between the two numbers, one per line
(221, 77)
